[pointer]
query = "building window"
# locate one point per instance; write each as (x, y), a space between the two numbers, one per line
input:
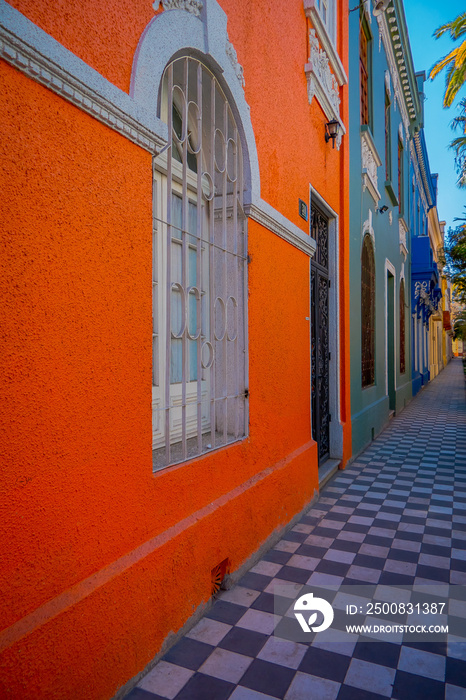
(400, 177)
(367, 312)
(364, 72)
(402, 328)
(199, 254)
(327, 12)
(388, 140)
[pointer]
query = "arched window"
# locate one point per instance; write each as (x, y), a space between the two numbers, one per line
(402, 328)
(199, 253)
(367, 312)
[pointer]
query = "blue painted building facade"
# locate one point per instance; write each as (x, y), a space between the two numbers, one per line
(426, 236)
(384, 115)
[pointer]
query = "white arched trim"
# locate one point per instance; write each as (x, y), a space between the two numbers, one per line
(203, 33)
(178, 31)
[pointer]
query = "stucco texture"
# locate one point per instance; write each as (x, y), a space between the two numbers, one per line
(105, 560)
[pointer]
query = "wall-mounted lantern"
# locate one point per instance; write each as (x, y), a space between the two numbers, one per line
(332, 130)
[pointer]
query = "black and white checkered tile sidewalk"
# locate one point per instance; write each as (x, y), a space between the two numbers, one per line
(394, 518)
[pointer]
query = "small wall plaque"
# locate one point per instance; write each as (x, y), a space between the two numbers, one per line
(303, 210)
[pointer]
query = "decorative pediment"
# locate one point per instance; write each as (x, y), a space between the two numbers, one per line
(370, 161)
(321, 83)
(403, 231)
(427, 299)
(420, 289)
(192, 6)
(231, 53)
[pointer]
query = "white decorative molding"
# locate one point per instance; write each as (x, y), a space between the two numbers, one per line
(322, 84)
(417, 175)
(231, 53)
(262, 212)
(367, 9)
(401, 133)
(43, 59)
(403, 231)
(388, 86)
(192, 6)
(321, 75)
(398, 92)
(420, 290)
(370, 160)
(311, 11)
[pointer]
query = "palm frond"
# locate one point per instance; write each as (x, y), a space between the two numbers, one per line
(456, 27)
(454, 62)
(441, 64)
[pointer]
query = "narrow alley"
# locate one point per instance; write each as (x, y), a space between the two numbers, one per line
(394, 520)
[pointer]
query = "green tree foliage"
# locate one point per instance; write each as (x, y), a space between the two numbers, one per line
(459, 326)
(454, 62)
(455, 259)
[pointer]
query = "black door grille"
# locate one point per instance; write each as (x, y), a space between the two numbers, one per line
(320, 355)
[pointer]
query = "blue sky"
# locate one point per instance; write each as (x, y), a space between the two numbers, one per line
(423, 17)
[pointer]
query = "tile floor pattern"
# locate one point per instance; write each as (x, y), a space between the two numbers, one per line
(397, 515)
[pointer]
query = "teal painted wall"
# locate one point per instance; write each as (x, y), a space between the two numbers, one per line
(370, 407)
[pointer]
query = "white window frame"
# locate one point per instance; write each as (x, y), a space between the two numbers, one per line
(327, 12)
(325, 25)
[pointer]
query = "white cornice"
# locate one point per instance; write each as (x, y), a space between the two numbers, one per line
(29, 49)
(262, 212)
(327, 44)
(417, 175)
(401, 95)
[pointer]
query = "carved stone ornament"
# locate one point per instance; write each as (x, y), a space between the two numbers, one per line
(420, 290)
(192, 6)
(402, 232)
(231, 53)
(370, 162)
(321, 82)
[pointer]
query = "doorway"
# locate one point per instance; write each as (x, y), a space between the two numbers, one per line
(320, 340)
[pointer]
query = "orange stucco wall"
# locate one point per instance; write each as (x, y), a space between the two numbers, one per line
(102, 560)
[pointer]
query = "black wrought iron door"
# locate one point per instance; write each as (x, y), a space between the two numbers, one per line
(320, 355)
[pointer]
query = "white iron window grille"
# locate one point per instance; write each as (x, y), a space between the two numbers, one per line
(199, 394)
